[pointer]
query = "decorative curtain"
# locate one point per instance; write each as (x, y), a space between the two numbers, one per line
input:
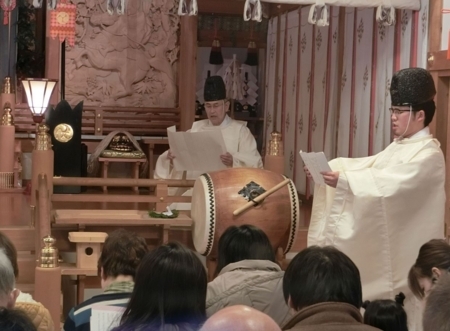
(330, 91)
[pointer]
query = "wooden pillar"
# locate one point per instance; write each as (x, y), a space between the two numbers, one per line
(435, 25)
(48, 291)
(439, 66)
(187, 74)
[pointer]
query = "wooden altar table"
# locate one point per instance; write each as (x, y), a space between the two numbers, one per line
(104, 161)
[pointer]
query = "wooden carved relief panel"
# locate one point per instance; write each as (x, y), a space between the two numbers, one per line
(125, 60)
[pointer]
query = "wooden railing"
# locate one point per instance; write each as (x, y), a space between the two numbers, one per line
(48, 280)
(103, 120)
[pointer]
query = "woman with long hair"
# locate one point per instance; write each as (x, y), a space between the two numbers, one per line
(169, 292)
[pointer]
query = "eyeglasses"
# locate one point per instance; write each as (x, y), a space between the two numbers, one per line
(398, 111)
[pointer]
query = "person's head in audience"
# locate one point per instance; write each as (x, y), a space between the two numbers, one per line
(432, 262)
(240, 318)
(170, 290)
(8, 294)
(121, 254)
(10, 251)
(245, 242)
(386, 315)
(15, 320)
(321, 274)
(436, 316)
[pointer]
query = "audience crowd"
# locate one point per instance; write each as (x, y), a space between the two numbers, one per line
(167, 289)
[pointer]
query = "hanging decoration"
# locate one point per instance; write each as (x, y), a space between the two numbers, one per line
(215, 57)
(62, 22)
(252, 52)
(37, 3)
(190, 8)
(385, 15)
(249, 90)
(398, 4)
(318, 14)
(51, 4)
(253, 10)
(115, 6)
(7, 6)
(231, 75)
(319, 8)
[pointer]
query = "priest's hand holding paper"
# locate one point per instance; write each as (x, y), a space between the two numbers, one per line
(227, 159)
(317, 168)
(330, 178)
(170, 156)
(308, 174)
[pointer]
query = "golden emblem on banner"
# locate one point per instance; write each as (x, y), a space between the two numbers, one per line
(63, 132)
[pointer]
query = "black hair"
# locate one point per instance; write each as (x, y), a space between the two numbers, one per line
(121, 254)
(386, 315)
(10, 251)
(429, 108)
(15, 320)
(245, 242)
(433, 254)
(435, 316)
(322, 274)
(170, 289)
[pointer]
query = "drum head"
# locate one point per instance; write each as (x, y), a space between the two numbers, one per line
(295, 216)
(203, 214)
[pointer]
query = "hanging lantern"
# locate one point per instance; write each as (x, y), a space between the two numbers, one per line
(7, 6)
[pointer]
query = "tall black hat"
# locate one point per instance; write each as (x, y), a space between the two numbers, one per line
(214, 89)
(412, 86)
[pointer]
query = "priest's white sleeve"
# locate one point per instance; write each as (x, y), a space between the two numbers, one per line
(381, 215)
(163, 167)
(247, 154)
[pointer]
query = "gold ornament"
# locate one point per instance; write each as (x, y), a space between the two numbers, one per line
(43, 140)
(63, 132)
(275, 144)
(49, 257)
(7, 118)
(62, 17)
(121, 143)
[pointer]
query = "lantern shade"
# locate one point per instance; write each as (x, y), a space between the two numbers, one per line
(38, 91)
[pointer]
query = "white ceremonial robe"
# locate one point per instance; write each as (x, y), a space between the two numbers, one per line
(239, 142)
(384, 208)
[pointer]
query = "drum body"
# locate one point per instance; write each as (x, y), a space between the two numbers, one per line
(217, 194)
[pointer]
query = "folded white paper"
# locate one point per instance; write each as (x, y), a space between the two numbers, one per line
(316, 163)
(197, 151)
(105, 318)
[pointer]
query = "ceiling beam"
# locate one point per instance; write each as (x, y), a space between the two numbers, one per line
(221, 7)
(236, 7)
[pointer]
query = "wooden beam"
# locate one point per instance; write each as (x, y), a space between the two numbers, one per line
(435, 26)
(276, 8)
(221, 7)
(187, 71)
(231, 38)
(437, 61)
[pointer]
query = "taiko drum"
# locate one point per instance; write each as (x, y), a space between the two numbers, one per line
(217, 194)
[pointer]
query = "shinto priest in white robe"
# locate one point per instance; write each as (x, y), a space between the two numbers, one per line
(383, 209)
(239, 142)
